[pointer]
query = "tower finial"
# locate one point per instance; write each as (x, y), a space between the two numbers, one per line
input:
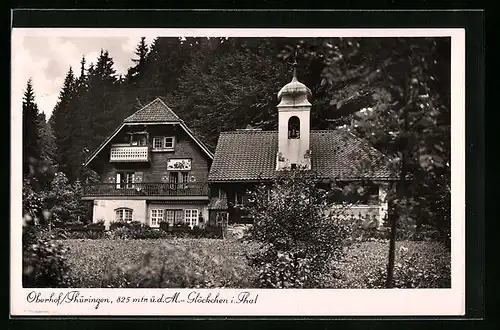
(294, 64)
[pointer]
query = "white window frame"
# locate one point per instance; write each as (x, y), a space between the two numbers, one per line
(175, 216)
(156, 140)
(155, 217)
(191, 217)
(172, 142)
(123, 214)
(122, 180)
(183, 179)
(162, 141)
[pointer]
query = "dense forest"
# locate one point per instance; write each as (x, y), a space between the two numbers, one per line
(395, 92)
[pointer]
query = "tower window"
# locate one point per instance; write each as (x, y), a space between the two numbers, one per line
(294, 127)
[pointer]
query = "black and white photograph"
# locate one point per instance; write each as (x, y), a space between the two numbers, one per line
(201, 163)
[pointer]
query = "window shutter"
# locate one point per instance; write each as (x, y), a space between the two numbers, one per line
(118, 180)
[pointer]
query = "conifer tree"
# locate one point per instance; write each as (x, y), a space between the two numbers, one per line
(31, 137)
(61, 123)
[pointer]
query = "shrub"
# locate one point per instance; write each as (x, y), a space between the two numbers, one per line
(415, 270)
(281, 269)
(301, 233)
(164, 226)
(121, 233)
(78, 230)
(137, 232)
(44, 260)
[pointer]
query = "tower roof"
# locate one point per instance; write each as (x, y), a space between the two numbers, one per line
(294, 94)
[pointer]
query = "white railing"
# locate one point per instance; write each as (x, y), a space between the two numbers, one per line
(129, 154)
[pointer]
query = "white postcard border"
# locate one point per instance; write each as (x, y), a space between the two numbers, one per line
(301, 302)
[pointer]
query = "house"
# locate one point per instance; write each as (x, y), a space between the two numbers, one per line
(152, 169)
(247, 157)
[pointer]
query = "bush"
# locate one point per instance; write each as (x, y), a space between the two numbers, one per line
(184, 231)
(79, 230)
(415, 270)
(281, 270)
(301, 233)
(44, 260)
(131, 224)
(136, 232)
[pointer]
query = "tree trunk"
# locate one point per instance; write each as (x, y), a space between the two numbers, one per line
(401, 187)
(392, 252)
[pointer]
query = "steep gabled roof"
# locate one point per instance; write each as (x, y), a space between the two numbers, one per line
(155, 112)
(251, 156)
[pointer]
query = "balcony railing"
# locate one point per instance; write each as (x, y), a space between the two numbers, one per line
(146, 189)
(129, 154)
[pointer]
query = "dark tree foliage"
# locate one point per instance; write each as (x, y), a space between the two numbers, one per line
(31, 136)
(61, 124)
(403, 87)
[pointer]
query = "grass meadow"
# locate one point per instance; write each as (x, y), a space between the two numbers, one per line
(223, 262)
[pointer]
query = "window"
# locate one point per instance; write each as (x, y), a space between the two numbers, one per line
(157, 143)
(169, 143)
(156, 217)
(174, 216)
(125, 180)
(238, 198)
(191, 217)
(163, 143)
(173, 179)
(178, 180)
(221, 218)
(358, 193)
(123, 214)
(184, 180)
(294, 128)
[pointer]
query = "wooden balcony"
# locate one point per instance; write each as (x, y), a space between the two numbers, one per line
(129, 154)
(146, 190)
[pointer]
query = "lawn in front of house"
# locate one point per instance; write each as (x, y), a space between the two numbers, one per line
(224, 263)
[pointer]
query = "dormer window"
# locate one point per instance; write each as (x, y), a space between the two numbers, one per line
(294, 128)
(163, 143)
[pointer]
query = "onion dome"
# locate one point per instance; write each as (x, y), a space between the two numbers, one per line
(294, 93)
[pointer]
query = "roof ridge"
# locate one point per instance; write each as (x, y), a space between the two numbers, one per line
(243, 131)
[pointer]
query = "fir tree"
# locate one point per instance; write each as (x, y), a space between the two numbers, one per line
(31, 137)
(61, 123)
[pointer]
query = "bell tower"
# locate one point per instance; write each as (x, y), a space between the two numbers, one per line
(294, 125)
